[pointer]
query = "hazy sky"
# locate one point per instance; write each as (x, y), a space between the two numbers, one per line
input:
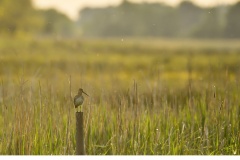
(72, 7)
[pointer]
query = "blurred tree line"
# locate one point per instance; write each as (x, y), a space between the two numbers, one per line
(159, 20)
(20, 18)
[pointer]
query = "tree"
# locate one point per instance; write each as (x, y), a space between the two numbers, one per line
(56, 24)
(212, 24)
(189, 17)
(18, 17)
(232, 29)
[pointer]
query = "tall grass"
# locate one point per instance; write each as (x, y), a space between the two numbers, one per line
(145, 98)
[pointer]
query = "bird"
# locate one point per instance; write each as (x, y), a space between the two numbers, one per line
(78, 99)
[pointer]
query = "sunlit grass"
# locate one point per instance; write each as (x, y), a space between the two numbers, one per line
(146, 97)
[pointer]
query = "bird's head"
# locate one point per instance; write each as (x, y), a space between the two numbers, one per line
(80, 91)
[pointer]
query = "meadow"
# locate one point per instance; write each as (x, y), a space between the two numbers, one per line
(147, 96)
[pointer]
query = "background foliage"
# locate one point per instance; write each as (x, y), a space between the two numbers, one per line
(126, 20)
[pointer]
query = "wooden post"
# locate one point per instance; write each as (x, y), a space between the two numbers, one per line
(79, 134)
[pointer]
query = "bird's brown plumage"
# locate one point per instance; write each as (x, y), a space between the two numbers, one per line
(78, 99)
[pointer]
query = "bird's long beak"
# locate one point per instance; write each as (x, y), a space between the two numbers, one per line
(85, 93)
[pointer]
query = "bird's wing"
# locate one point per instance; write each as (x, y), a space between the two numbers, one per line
(75, 101)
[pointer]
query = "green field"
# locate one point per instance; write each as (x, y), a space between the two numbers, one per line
(147, 97)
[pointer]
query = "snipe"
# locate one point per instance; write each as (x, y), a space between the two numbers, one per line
(78, 99)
